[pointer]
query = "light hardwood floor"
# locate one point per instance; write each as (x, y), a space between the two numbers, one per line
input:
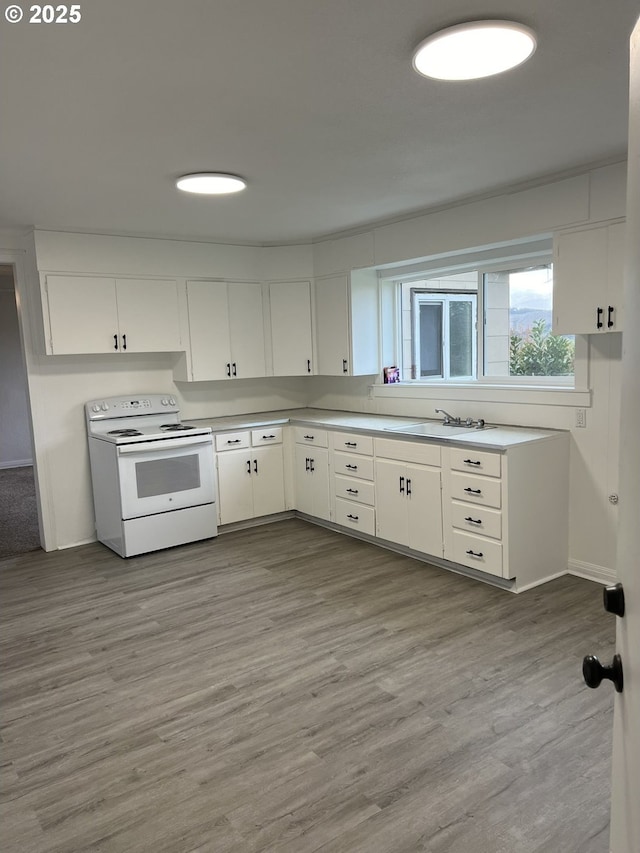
(287, 688)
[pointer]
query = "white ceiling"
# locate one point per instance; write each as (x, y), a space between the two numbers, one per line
(313, 101)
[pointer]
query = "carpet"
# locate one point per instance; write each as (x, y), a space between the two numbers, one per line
(18, 512)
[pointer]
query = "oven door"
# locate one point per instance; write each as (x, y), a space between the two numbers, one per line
(160, 476)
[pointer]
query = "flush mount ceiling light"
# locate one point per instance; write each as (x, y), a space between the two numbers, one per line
(211, 183)
(475, 49)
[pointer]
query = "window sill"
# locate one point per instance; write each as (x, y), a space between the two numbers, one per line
(537, 395)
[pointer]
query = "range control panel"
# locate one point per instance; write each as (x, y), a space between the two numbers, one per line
(114, 407)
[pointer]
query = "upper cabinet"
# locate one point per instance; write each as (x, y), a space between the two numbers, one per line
(95, 314)
(226, 330)
(587, 280)
(291, 331)
(347, 320)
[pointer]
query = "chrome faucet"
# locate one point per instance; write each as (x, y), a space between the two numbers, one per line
(448, 419)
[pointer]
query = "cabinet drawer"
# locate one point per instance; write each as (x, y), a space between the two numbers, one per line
(477, 519)
(408, 451)
(477, 490)
(351, 443)
(310, 435)
(477, 552)
(355, 490)
(266, 435)
(356, 516)
(479, 461)
(232, 440)
(352, 465)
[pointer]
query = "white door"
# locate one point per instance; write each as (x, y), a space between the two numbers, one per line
(148, 315)
(424, 502)
(268, 480)
(82, 314)
(319, 464)
(625, 814)
(290, 306)
(246, 328)
(235, 487)
(303, 485)
(209, 330)
(332, 326)
(580, 287)
(391, 501)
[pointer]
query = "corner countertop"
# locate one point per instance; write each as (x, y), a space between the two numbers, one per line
(496, 438)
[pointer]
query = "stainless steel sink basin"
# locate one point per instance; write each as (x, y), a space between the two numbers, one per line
(436, 429)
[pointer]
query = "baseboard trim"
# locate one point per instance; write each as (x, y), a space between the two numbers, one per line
(592, 572)
(18, 463)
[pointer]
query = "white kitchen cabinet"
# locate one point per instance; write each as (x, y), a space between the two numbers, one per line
(96, 314)
(291, 332)
(226, 330)
(587, 280)
(251, 478)
(311, 475)
(347, 321)
(353, 490)
(409, 505)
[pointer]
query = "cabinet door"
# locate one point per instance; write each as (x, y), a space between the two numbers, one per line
(209, 329)
(148, 316)
(392, 518)
(83, 316)
(235, 487)
(579, 282)
(267, 476)
(615, 276)
(302, 476)
(332, 326)
(246, 329)
(424, 507)
(290, 308)
(320, 500)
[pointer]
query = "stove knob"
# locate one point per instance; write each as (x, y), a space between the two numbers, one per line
(172, 402)
(104, 407)
(95, 408)
(165, 402)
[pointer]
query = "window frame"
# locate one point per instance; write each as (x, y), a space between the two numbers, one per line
(444, 297)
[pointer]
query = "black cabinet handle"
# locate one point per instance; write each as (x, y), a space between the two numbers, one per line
(402, 485)
(308, 437)
(473, 520)
(471, 462)
(124, 342)
(599, 313)
(353, 517)
(234, 369)
(475, 553)
(228, 368)
(233, 440)
(351, 444)
(474, 491)
(613, 599)
(610, 311)
(594, 672)
(308, 365)
(312, 469)
(306, 464)
(408, 487)
(345, 367)
(255, 466)
(352, 467)
(352, 491)
(115, 342)
(248, 466)
(268, 436)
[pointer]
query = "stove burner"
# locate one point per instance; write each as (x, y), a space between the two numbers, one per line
(124, 432)
(175, 427)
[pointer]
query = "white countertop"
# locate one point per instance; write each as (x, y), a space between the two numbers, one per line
(495, 438)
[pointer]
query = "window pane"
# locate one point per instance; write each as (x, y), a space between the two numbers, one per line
(460, 338)
(430, 319)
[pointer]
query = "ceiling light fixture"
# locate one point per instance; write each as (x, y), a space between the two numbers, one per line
(475, 49)
(211, 183)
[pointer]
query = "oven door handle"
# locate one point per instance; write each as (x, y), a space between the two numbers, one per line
(162, 444)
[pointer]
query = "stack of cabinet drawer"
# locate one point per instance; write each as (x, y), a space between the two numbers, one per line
(476, 510)
(353, 478)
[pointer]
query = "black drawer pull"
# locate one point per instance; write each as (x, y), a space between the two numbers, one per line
(352, 467)
(353, 517)
(610, 311)
(599, 313)
(308, 437)
(268, 436)
(475, 553)
(473, 520)
(352, 491)
(471, 462)
(234, 440)
(474, 491)
(306, 464)
(350, 444)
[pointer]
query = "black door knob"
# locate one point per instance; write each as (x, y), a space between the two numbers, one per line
(594, 672)
(613, 599)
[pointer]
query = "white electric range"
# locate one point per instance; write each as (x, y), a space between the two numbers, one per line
(153, 477)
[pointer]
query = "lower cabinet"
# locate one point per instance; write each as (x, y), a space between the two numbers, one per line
(311, 475)
(250, 474)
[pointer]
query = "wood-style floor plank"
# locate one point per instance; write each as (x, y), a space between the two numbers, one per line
(291, 690)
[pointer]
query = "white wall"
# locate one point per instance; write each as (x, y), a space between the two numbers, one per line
(15, 431)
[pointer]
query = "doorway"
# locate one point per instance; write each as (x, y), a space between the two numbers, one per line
(19, 530)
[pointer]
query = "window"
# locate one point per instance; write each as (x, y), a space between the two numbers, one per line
(444, 341)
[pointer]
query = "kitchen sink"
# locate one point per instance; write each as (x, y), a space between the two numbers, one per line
(436, 428)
